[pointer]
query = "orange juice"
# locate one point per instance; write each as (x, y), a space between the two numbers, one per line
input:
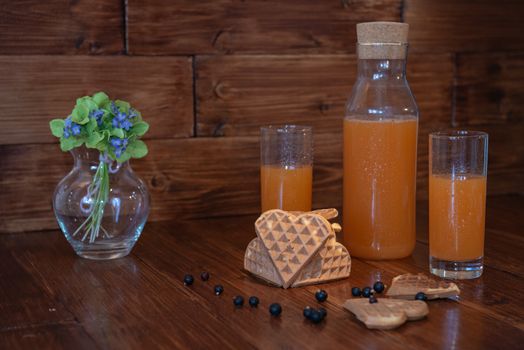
(287, 188)
(379, 187)
(456, 217)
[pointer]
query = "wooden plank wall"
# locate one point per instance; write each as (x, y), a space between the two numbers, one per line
(207, 74)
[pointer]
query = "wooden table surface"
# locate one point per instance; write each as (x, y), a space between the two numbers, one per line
(49, 298)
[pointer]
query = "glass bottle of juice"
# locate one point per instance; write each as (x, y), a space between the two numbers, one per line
(380, 147)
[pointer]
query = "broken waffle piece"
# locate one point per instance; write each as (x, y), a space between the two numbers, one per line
(386, 313)
(408, 285)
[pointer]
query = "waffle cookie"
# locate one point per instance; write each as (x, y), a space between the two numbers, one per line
(408, 285)
(296, 249)
(386, 313)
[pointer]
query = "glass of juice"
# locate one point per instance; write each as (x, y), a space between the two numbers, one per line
(286, 167)
(458, 162)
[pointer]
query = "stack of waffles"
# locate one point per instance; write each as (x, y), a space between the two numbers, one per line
(296, 249)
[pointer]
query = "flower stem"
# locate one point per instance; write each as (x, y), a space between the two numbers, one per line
(99, 191)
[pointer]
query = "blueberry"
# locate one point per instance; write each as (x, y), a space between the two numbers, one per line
(373, 300)
(321, 295)
(238, 301)
(421, 296)
(307, 312)
(275, 309)
(315, 317)
(322, 312)
(219, 289)
(204, 276)
(188, 280)
(378, 287)
(366, 292)
(253, 301)
(356, 292)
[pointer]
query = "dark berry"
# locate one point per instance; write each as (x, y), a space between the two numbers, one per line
(366, 292)
(421, 296)
(315, 317)
(356, 292)
(321, 295)
(204, 276)
(378, 287)
(275, 309)
(188, 280)
(218, 289)
(322, 312)
(373, 300)
(307, 312)
(253, 301)
(238, 301)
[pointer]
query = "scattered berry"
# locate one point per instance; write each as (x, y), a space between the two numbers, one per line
(253, 301)
(238, 301)
(356, 292)
(421, 296)
(315, 316)
(188, 280)
(378, 287)
(218, 289)
(321, 295)
(275, 309)
(307, 312)
(373, 300)
(322, 312)
(204, 276)
(366, 292)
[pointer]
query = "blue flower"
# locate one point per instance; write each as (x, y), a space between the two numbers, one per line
(121, 119)
(119, 145)
(97, 114)
(71, 128)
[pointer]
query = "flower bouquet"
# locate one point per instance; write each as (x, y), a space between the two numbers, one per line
(102, 135)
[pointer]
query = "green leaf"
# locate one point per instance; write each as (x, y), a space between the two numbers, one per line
(124, 157)
(140, 128)
(101, 99)
(137, 149)
(123, 106)
(70, 143)
(118, 133)
(91, 126)
(80, 114)
(57, 127)
(94, 139)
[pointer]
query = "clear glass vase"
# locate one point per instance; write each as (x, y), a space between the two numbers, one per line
(101, 206)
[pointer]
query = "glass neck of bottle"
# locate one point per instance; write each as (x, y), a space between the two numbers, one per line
(382, 61)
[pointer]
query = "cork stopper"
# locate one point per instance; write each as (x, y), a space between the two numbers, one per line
(382, 40)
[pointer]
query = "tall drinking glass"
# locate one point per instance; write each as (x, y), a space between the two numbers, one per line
(458, 162)
(286, 167)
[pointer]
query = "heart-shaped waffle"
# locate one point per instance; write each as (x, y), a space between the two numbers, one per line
(291, 241)
(408, 285)
(258, 262)
(330, 263)
(386, 313)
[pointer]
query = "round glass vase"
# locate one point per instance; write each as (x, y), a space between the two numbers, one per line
(101, 206)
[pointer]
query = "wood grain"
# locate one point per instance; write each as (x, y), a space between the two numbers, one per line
(36, 89)
(163, 27)
(238, 94)
(140, 301)
(489, 89)
(33, 306)
(62, 27)
(54, 336)
(464, 26)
